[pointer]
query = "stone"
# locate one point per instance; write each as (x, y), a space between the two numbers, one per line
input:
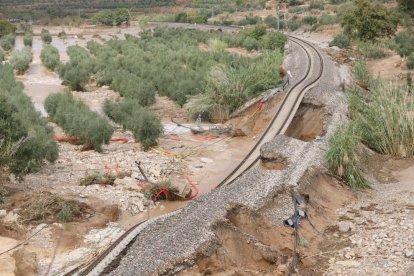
(345, 226)
(11, 217)
(3, 213)
(206, 160)
(349, 263)
(408, 253)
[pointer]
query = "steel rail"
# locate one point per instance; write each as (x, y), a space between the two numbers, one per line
(113, 251)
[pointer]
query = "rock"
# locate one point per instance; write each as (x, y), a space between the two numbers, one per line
(345, 226)
(206, 160)
(282, 268)
(3, 213)
(408, 253)
(349, 263)
(11, 217)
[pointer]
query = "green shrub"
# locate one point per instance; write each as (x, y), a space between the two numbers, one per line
(372, 50)
(295, 2)
(7, 42)
(294, 24)
(250, 20)
(327, 19)
(273, 41)
(310, 20)
(46, 37)
(112, 17)
(26, 139)
(336, 2)
(405, 43)
(385, 120)
(6, 28)
(65, 214)
(367, 20)
(28, 39)
(77, 120)
(410, 61)
(342, 156)
(251, 44)
(227, 88)
(62, 35)
(217, 45)
(21, 59)
(317, 4)
(2, 56)
(50, 57)
(341, 41)
(361, 72)
(78, 70)
(145, 126)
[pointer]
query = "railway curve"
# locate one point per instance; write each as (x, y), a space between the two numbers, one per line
(278, 125)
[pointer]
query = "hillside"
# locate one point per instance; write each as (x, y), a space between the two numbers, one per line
(82, 4)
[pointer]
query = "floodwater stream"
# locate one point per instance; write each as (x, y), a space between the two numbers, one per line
(39, 82)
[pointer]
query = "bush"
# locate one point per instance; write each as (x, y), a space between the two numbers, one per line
(251, 44)
(341, 41)
(274, 41)
(410, 61)
(7, 42)
(336, 2)
(361, 73)
(227, 89)
(78, 70)
(294, 24)
(145, 126)
(28, 39)
(2, 56)
(250, 20)
(77, 120)
(46, 37)
(27, 140)
(327, 19)
(385, 121)
(21, 59)
(310, 20)
(342, 156)
(62, 35)
(112, 17)
(6, 28)
(317, 4)
(217, 45)
(50, 57)
(368, 21)
(405, 43)
(295, 2)
(372, 50)
(255, 32)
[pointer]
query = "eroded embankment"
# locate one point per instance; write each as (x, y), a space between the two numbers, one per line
(220, 229)
(251, 242)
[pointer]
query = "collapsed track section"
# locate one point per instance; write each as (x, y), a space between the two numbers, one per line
(278, 125)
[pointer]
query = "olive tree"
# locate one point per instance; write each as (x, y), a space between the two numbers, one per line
(368, 21)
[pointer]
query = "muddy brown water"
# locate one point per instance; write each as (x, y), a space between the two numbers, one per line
(40, 82)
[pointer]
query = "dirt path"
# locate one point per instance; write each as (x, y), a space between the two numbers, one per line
(379, 228)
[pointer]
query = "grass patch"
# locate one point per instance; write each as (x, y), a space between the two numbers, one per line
(45, 207)
(342, 156)
(98, 178)
(372, 50)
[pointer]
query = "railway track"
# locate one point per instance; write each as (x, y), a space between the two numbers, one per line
(278, 125)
